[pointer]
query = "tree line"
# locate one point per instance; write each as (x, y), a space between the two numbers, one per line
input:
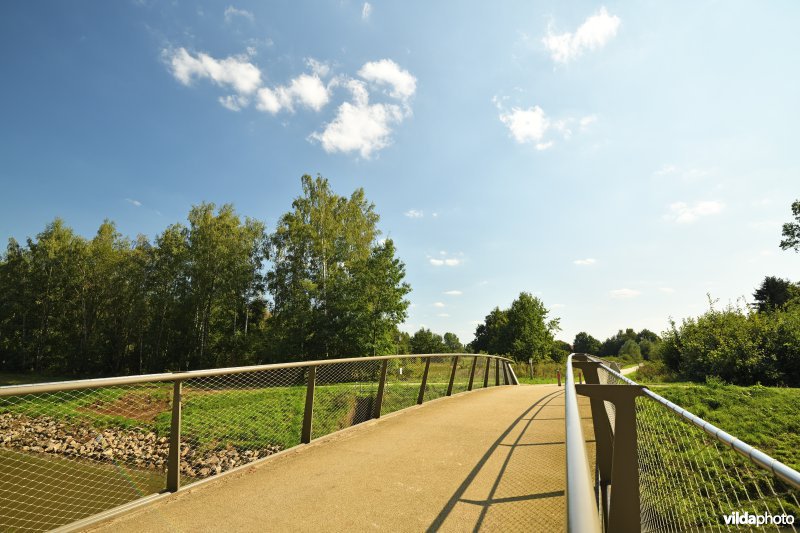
(217, 291)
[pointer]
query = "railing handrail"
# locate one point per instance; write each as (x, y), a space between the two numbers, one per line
(582, 514)
(756, 456)
(79, 384)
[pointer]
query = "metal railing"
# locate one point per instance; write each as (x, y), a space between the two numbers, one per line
(70, 450)
(659, 467)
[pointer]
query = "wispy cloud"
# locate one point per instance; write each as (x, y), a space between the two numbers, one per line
(438, 304)
(386, 72)
(450, 261)
(623, 294)
(306, 89)
(453, 293)
(594, 33)
(585, 262)
(232, 12)
(366, 11)
(532, 125)
(414, 213)
(135, 203)
(683, 213)
(236, 72)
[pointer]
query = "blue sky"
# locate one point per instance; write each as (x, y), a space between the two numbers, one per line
(618, 160)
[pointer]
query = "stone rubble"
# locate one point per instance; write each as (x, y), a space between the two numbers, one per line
(137, 447)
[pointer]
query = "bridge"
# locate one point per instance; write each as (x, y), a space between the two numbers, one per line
(412, 443)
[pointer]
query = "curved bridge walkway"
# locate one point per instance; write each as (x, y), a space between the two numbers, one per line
(489, 460)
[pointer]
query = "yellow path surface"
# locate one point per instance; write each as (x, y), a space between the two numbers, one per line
(489, 460)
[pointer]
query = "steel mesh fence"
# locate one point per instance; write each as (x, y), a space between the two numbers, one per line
(345, 395)
(68, 455)
(234, 419)
(689, 480)
(71, 454)
(403, 380)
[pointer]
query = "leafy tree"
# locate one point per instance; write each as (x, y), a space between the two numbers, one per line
(774, 293)
(630, 350)
(791, 230)
(612, 345)
(452, 344)
(522, 331)
(425, 341)
(585, 343)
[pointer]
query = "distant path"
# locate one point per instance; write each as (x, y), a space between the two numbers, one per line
(488, 460)
(631, 370)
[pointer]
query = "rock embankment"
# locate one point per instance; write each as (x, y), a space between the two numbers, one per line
(136, 447)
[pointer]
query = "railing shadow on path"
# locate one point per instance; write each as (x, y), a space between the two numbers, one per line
(486, 504)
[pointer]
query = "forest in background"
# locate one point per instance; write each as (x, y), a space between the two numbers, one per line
(218, 291)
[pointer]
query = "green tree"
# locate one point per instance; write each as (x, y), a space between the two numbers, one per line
(630, 350)
(774, 293)
(452, 344)
(791, 230)
(585, 343)
(426, 341)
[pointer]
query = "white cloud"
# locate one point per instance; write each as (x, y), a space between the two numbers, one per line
(453, 293)
(231, 12)
(666, 290)
(448, 261)
(683, 213)
(624, 293)
(594, 33)
(587, 261)
(526, 125)
(135, 203)
(305, 89)
(413, 213)
(234, 71)
(234, 102)
(320, 68)
(387, 72)
(359, 126)
(587, 121)
(438, 304)
(366, 11)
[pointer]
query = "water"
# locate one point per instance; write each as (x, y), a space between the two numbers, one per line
(39, 492)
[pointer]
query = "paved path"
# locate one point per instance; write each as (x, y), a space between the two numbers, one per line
(490, 460)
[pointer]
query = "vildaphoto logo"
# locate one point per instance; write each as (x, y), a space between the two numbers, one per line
(746, 519)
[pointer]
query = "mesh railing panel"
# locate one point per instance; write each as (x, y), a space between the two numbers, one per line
(689, 480)
(403, 379)
(231, 420)
(438, 377)
(344, 396)
(68, 455)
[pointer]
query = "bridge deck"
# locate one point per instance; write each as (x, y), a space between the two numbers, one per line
(489, 460)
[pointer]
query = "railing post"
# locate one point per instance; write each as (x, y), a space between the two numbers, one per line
(506, 380)
(376, 413)
(452, 376)
(624, 513)
(486, 372)
(497, 372)
(472, 372)
(174, 458)
(421, 396)
(305, 436)
(558, 373)
(512, 375)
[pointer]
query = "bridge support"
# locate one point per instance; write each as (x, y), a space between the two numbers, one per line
(472, 372)
(486, 372)
(174, 458)
(305, 436)
(421, 396)
(452, 376)
(376, 412)
(617, 450)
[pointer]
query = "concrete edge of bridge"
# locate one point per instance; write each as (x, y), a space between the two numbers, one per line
(89, 523)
